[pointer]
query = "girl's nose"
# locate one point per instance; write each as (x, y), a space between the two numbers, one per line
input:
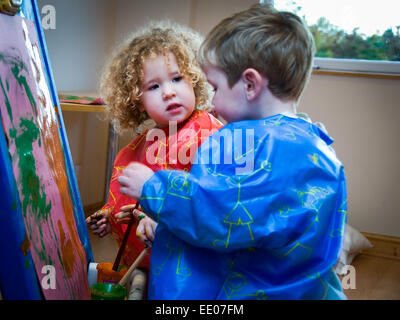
(168, 91)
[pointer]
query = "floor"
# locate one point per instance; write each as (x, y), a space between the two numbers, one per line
(104, 249)
(377, 278)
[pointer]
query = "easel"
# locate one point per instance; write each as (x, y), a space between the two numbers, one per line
(23, 223)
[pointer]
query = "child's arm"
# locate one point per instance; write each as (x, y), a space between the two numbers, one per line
(207, 212)
(185, 203)
(289, 197)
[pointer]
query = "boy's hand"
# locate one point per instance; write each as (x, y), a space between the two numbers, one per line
(146, 230)
(98, 222)
(133, 177)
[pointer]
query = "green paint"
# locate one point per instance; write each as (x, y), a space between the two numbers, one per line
(32, 192)
(23, 82)
(7, 102)
(121, 267)
(42, 252)
(60, 258)
(27, 263)
(18, 68)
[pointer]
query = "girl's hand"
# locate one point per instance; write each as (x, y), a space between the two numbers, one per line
(146, 228)
(98, 222)
(125, 215)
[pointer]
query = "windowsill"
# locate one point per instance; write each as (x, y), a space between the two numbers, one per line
(356, 74)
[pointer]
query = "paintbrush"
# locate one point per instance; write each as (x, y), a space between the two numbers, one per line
(124, 240)
(139, 259)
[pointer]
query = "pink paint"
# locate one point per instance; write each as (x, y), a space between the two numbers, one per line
(45, 233)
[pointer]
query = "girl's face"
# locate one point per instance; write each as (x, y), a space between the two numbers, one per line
(167, 94)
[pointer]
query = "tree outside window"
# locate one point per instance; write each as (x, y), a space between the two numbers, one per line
(333, 41)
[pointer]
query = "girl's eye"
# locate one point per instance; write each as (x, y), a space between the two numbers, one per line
(177, 78)
(153, 87)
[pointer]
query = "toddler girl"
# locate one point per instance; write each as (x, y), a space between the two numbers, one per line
(155, 86)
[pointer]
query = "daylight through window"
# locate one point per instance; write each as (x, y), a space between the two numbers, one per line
(352, 35)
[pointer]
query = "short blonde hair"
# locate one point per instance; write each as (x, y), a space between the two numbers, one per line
(277, 44)
(121, 81)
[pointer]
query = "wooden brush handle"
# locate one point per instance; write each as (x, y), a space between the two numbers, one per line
(133, 267)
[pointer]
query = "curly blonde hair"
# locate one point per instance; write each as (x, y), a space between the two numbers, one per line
(121, 81)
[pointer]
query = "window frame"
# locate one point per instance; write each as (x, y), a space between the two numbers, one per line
(357, 65)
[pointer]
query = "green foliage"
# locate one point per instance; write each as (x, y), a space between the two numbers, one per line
(332, 42)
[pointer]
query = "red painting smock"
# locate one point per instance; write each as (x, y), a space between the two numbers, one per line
(169, 148)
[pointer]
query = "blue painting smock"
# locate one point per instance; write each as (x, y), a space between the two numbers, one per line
(261, 215)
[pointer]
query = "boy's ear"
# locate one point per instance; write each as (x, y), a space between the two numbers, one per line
(254, 83)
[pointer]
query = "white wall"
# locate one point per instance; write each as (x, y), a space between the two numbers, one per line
(133, 14)
(79, 44)
(87, 31)
(361, 114)
(201, 15)
(205, 14)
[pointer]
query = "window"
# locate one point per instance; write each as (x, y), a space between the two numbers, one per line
(352, 35)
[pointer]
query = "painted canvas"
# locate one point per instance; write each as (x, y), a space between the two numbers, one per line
(30, 125)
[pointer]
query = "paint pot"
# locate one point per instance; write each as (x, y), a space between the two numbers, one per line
(105, 272)
(107, 291)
